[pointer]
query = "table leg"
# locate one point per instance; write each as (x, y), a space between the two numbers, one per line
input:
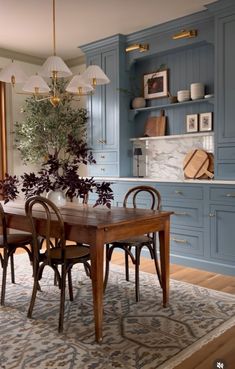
(164, 238)
(97, 253)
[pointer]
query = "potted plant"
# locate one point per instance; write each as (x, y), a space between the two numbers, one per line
(55, 138)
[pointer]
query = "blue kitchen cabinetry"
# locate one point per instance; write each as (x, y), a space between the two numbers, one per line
(224, 12)
(202, 226)
(108, 133)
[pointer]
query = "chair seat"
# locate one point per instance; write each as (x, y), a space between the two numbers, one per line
(134, 240)
(71, 253)
(16, 239)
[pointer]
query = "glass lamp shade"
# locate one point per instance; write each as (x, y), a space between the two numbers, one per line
(55, 64)
(36, 85)
(77, 85)
(95, 76)
(12, 74)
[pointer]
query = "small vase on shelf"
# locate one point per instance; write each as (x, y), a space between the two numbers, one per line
(138, 102)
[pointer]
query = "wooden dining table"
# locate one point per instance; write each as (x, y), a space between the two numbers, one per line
(97, 227)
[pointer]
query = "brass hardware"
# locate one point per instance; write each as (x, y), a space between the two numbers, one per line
(185, 34)
(230, 194)
(101, 141)
(211, 215)
(179, 240)
(141, 47)
(181, 213)
(102, 169)
(102, 157)
(177, 192)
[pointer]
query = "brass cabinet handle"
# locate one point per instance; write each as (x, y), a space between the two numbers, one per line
(101, 141)
(102, 169)
(102, 156)
(230, 194)
(211, 215)
(177, 192)
(178, 240)
(181, 213)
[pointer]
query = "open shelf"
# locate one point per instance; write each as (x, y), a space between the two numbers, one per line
(170, 137)
(133, 112)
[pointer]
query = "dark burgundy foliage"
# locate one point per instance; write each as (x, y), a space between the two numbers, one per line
(60, 174)
(8, 188)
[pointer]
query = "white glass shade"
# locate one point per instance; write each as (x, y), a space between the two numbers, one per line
(55, 64)
(94, 75)
(13, 74)
(36, 84)
(77, 85)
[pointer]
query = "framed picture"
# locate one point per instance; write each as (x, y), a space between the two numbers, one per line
(191, 123)
(156, 84)
(205, 122)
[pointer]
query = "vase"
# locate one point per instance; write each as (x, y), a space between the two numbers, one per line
(138, 102)
(57, 197)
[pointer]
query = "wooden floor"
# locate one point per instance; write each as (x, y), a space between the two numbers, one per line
(223, 347)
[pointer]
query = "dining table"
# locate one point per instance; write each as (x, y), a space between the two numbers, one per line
(97, 226)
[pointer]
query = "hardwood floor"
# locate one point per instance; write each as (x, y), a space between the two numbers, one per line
(223, 347)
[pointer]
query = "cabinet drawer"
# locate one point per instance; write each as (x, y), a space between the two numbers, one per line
(224, 194)
(189, 215)
(103, 170)
(105, 156)
(179, 192)
(183, 242)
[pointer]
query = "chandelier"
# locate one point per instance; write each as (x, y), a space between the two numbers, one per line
(54, 67)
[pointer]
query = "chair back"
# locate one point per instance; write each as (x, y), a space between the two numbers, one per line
(133, 193)
(52, 215)
(3, 225)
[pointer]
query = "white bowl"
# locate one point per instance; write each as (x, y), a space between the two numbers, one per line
(197, 91)
(183, 95)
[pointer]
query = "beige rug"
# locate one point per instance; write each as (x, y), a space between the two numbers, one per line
(136, 335)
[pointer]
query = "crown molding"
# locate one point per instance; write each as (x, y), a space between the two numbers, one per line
(21, 57)
(76, 61)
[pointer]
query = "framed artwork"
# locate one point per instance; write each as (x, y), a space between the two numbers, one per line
(191, 123)
(205, 122)
(156, 84)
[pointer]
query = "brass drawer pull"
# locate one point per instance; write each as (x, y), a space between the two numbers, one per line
(181, 213)
(211, 215)
(230, 194)
(102, 169)
(102, 156)
(178, 240)
(177, 192)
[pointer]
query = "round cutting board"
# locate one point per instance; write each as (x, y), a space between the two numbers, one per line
(196, 163)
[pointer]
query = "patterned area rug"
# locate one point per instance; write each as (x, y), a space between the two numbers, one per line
(136, 335)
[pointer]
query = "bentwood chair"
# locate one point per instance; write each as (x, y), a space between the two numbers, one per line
(137, 243)
(60, 256)
(9, 243)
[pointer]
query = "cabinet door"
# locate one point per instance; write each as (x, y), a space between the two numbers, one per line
(95, 129)
(226, 79)
(223, 233)
(109, 100)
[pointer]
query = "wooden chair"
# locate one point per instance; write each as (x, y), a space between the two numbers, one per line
(54, 257)
(9, 243)
(138, 242)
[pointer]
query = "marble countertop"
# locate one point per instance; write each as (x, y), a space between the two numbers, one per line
(146, 179)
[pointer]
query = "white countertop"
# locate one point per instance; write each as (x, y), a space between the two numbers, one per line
(146, 179)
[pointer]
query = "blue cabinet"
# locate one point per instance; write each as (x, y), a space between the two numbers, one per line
(108, 131)
(203, 223)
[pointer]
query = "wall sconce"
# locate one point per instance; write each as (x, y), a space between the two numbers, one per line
(138, 153)
(140, 47)
(185, 34)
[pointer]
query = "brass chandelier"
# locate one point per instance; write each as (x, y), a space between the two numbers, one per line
(54, 67)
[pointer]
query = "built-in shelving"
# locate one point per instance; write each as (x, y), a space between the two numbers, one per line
(170, 137)
(133, 112)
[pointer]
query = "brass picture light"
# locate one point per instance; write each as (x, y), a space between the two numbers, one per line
(140, 47)
(185, 34)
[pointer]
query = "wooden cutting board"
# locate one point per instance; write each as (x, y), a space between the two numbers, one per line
(155, 126)
(196, 163)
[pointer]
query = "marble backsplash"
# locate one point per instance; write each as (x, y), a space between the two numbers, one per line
(162, 157)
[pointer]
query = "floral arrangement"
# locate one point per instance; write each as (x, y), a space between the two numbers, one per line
(60, 174)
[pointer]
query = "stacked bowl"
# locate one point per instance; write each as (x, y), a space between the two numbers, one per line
(183, 95)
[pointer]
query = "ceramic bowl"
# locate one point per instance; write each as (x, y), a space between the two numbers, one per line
(183, 95)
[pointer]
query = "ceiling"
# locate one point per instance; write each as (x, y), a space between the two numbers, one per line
(26, 25)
